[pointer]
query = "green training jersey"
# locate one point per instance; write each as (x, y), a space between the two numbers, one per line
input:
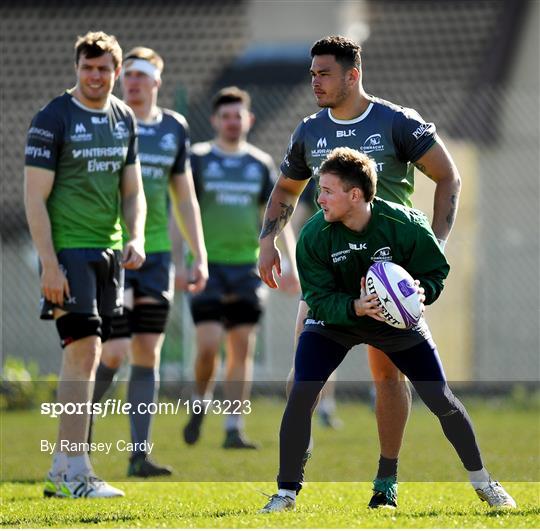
(87, 149)
(231, 188)
(393, 136)
(163, 148)
(332, 259)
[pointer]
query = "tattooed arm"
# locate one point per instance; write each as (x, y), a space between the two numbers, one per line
(438, 165)
(279, 210)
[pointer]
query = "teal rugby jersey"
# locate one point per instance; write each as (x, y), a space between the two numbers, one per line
(87, 149)
(163, 149)
(393, 136)
(332, 259)
(231, 189)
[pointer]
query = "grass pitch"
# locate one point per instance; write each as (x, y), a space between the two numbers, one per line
(215, 488)
(235, 505)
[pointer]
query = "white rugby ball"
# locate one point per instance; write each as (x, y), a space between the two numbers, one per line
(400, 305)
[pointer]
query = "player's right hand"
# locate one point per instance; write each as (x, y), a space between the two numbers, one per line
(198, 276)
(269, 258)
(367, 304)
(54, 284)
(134, 255)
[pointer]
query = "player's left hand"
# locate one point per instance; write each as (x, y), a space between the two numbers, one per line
(198, 276)
(134, 255)
(367, 304)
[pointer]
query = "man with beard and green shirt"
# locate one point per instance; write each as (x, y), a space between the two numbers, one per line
(140, 331)
(81, 174)
(334, 252)
(398, 139)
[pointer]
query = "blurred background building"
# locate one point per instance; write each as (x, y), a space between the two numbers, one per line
(470, 66)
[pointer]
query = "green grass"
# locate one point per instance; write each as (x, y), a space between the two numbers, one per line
(218, 488)
(233, 505)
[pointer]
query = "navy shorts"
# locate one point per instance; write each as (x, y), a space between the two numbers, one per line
(154, 279)
(233, 295)
(96, 282)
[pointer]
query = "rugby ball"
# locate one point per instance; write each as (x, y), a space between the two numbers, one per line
(400, 305)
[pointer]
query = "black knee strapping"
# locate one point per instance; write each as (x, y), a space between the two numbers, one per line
(106, 327)
(74, 326)
(121, 325)
(210, 310)
(242, 312)
(149, 318)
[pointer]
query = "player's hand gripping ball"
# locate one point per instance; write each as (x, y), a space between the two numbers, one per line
(401, 306)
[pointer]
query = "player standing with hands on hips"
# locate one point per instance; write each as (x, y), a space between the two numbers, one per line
(81, 174)
(397, 139)
(332, 274)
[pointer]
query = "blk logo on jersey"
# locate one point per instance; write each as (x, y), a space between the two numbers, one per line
(146, 131)
(358, 246)
(373, 143)
(313, 322)
(231, 162)
(100, 120)
(346, 134)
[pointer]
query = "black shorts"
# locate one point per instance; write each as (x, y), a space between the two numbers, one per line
(96, 282)
(154, 279)
(372, 332)
(233, 295)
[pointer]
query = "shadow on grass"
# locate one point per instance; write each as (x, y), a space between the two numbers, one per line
(24, 481)
(468, 513)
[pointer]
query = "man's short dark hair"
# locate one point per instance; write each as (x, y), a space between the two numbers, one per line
(97, 43)
(231, 95)
(355, 169)
(346, 51)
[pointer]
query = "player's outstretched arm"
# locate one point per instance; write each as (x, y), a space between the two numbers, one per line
(134, 213)
(438, 165)
(187, 214)
(279, 210)
(38, 183)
